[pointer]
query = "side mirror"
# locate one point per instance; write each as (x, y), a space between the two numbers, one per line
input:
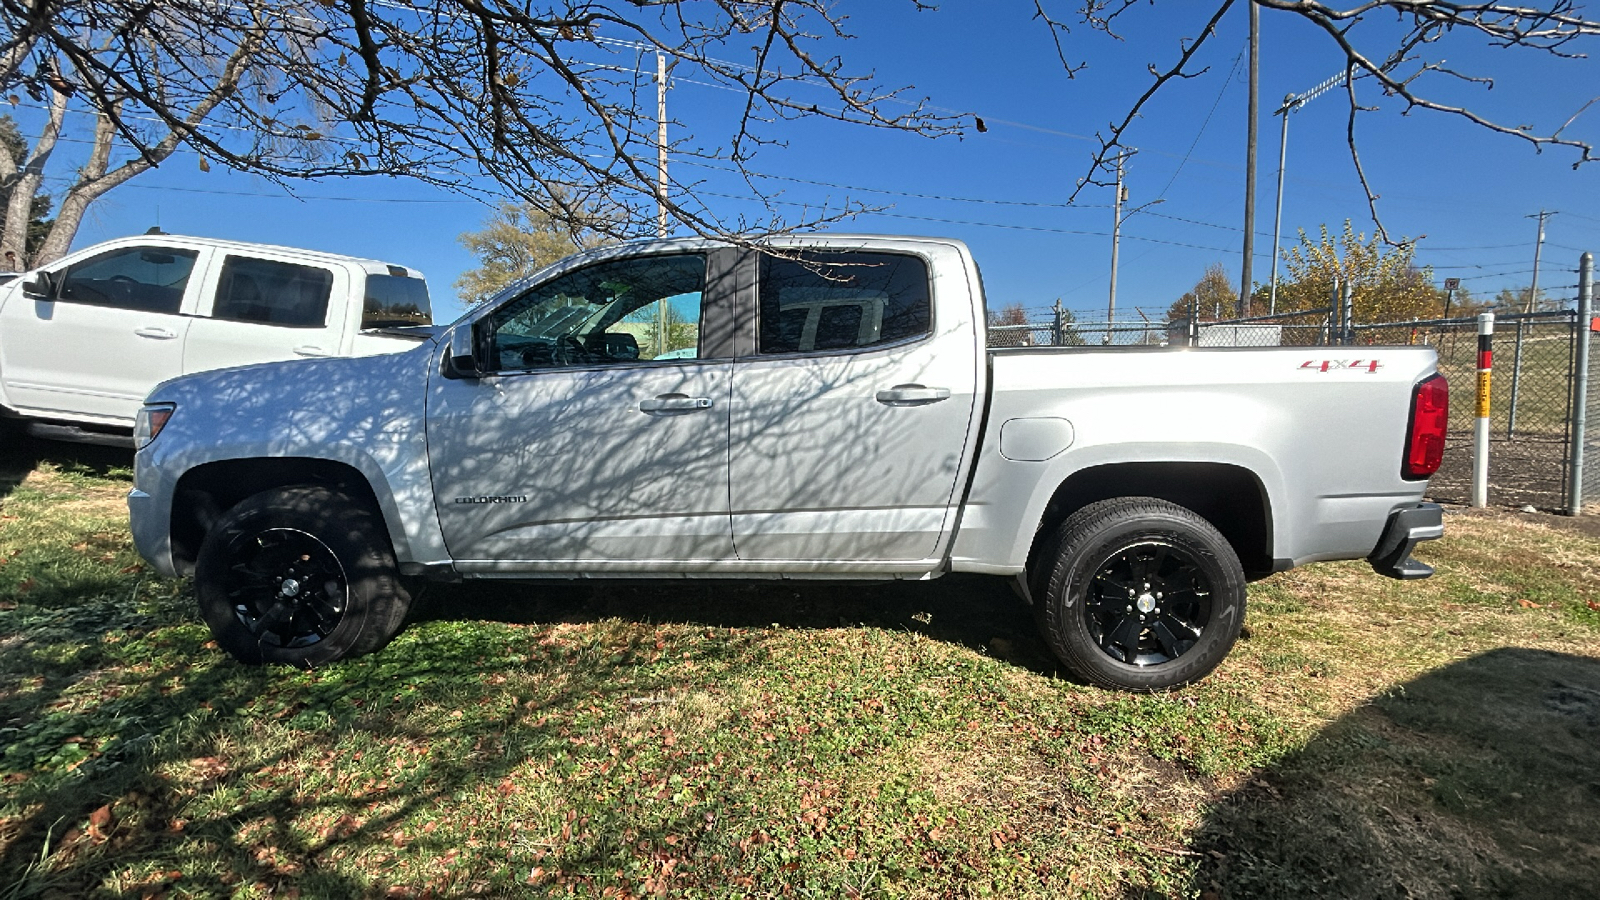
(460, 360)
(42, 287)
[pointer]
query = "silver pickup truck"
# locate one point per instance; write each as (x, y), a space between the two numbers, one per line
(820, 407)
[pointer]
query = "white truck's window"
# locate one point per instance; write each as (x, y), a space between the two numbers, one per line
(839, 301)
(393, 301)
(148, 279)
(646, 308)
(268, 292)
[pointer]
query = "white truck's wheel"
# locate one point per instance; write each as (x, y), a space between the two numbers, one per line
(1140, 594)
(302, 576)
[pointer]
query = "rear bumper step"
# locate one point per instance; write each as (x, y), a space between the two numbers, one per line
(1407, 527)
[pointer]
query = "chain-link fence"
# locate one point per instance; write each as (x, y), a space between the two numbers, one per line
(1067, 333)
(1532, 423)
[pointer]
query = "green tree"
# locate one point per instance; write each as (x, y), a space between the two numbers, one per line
(517, 240)
(1386, 283)
(1214, 296)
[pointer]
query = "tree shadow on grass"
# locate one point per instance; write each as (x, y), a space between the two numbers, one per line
(1481, 779)
(977, 612)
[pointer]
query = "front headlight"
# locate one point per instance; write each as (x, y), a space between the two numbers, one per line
(148, 423)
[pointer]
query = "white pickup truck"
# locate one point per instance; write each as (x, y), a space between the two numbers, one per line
(83, 340)
(823, 407)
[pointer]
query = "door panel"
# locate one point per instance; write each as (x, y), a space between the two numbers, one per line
(564, 464)
(601, 439)
(850, 423)
(111, 333)
(265, 310)
(821, 469)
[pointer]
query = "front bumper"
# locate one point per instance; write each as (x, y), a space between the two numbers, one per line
(1407, 527)
(151, 538)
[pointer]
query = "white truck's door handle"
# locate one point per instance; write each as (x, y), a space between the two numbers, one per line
(310, 350)
(912, 395)
(674, 403)
(158, 333)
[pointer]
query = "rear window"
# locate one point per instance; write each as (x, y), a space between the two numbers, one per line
(268, 292)
(396, 300)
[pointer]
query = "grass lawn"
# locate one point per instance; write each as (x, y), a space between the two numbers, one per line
(1367, 738)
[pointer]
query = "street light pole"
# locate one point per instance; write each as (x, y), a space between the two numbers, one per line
(1277, 220)
(1116, 243)
(1291, 103)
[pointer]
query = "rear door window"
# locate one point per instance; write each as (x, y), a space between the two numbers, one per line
(842, 301)
(147, 279)
(395, 300)
(269, 292)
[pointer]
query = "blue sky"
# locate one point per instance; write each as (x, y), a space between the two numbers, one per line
(1468, 191)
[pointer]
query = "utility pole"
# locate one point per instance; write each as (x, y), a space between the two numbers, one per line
(1538, 246)
(1533, 298)
(1250, 161)
(1116, 240)
(661, 144)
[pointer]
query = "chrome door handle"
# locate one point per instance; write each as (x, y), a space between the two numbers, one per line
(674, 403)
(912, 395)
(160, 334)
(309, 350)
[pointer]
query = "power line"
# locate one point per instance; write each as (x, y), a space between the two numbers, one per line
(896, 193)
(1226, 83)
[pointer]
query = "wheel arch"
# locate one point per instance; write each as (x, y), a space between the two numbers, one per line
(1231, 497)
(204, 493)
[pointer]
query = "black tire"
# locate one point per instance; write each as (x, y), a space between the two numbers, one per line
(1140, 594)
(301, 576)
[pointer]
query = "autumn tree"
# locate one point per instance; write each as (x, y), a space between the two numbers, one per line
(1386, 283)
(1212, 297)
(517, 240)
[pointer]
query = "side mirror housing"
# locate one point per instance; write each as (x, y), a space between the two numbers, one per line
(42, 287)
(461, 359)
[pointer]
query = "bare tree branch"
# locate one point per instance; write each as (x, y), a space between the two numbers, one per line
(1105, 157)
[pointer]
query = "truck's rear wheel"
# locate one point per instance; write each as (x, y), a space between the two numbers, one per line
(1140, 594)
(302, 576)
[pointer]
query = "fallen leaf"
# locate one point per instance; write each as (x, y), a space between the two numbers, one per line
(1526, 604)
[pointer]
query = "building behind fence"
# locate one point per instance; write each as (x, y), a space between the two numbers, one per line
(1534, 420)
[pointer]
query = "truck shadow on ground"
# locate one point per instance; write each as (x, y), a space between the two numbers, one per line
(1480, 779)
(21, 454)
(977, 612)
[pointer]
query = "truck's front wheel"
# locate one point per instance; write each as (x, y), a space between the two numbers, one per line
(299, 575)
(1140, 594)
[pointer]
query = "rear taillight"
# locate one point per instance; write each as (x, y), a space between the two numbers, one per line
(1430, 419)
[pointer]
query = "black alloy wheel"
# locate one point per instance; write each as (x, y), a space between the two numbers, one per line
(287, 587)
(301, 576)
(1148, 604)
(1139, 594)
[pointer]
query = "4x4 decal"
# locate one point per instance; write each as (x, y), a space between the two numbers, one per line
(1329, 365)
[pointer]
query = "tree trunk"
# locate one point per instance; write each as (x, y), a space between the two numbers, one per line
(19, 212)
(92, 182)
